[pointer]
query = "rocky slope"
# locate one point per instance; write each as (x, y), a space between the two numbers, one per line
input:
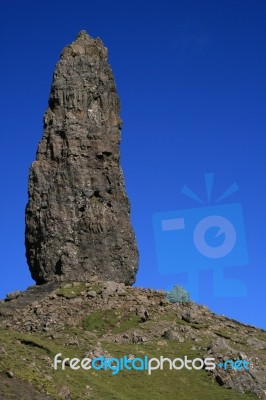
(77, 217)
(107, 318)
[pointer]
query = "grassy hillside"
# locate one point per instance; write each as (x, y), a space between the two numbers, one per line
(116, 329)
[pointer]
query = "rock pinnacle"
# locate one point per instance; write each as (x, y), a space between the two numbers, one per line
(78, 214)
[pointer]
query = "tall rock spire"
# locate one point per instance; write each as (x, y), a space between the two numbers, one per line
(78, 214)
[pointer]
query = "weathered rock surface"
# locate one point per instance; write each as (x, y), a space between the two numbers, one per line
(78, 214)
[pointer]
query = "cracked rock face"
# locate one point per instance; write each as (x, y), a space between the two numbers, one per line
(78, 214)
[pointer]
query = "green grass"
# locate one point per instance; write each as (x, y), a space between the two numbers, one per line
(113, 321)
(71, 291)
(30, 357)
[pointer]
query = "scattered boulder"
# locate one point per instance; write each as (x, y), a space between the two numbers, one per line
(143, 313)
(64, 393)
(256, 343)
(171, 334)
(13, 295)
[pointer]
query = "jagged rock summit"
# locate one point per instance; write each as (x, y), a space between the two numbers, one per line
(78, 214)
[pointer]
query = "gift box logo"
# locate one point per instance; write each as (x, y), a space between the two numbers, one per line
(206, 237)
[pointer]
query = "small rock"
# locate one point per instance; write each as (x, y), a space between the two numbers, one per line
(171, 334)
(72, 342)
(162, 343)
(13, 295)
(3, 351)
(256, 343)
(110, 287)
(121, 292)
(76, 301)
(64, 393)
(191, 317)
(92, 293)
(10, 373)
(242, 356)
(142, 313)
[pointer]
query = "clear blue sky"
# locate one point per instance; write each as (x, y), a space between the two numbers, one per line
(191, 78)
